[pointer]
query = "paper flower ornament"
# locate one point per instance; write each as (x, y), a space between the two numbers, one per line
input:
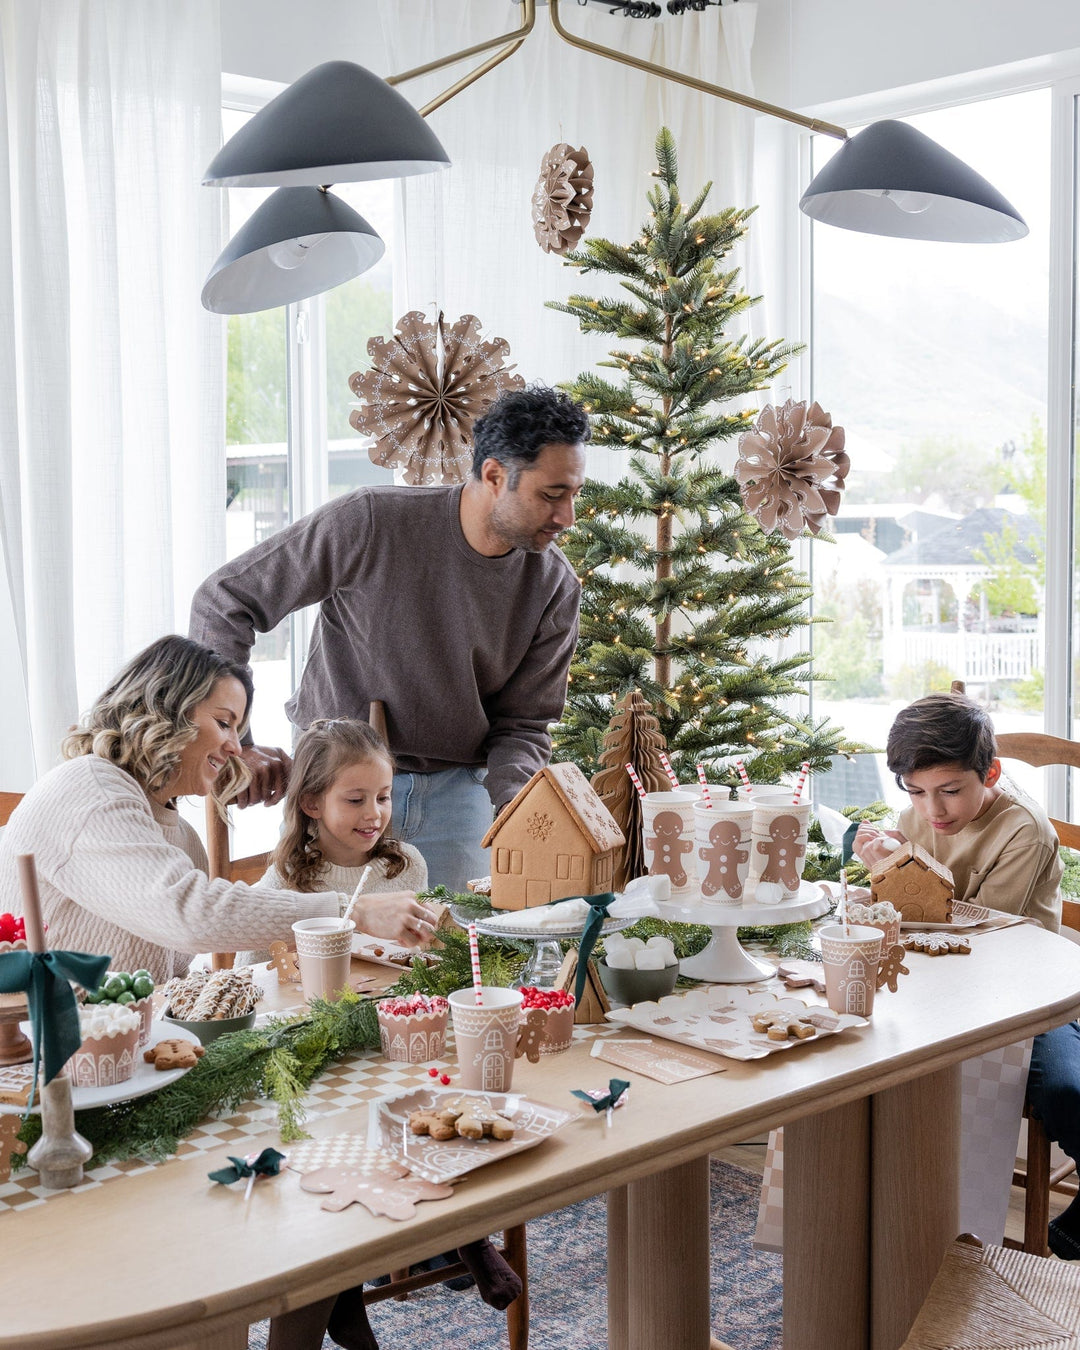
(562, 198)
(426, 387)
(791, 468)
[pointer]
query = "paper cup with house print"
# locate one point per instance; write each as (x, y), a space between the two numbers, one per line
(851, 955)
(667, 831)
(722, 849)
(486, 1036)
(324, 954)
(778, 850)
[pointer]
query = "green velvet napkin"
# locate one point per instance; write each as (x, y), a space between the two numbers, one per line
(54, 1014)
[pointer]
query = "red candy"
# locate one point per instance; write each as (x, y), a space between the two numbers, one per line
(547, 999)
(411, 1005)
(433, 1073)
(444, 1079)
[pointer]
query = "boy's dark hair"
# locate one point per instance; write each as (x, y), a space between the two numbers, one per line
(940, 729)
(520, 423)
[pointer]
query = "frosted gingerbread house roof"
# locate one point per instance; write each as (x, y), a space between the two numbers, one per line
(913, 852)
(576, 793)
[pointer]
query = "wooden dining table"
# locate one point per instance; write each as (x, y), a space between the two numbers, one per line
(163, 1258)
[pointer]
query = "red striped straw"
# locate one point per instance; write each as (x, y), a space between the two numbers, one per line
(636, 781)
(474, 952)
(744, 778)
(665, 764)
(804, 769)
(704, 786)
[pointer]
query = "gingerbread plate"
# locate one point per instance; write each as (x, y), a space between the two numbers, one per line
(442, 1160)
(144, 1079)
(964, 916)
(717, 1019)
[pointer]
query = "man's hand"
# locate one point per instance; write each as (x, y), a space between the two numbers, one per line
(269, 768)
(873, 846)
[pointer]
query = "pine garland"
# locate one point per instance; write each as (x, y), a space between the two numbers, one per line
(277, 1061)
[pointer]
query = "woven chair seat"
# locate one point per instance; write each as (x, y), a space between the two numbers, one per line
(992, 1298)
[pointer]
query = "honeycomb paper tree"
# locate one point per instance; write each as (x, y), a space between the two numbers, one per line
(633, 737)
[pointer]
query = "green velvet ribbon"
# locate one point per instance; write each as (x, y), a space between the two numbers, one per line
(45, 978)
(847, 847)
(266, 1164)
(610, 1099)
(598, 912)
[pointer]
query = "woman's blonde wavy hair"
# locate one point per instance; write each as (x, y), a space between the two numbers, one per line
(327, 747)
(142, 721)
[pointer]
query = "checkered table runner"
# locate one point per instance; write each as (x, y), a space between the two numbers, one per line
(341, 1088)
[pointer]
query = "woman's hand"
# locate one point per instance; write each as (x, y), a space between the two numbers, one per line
(395, 915)
(871, 845)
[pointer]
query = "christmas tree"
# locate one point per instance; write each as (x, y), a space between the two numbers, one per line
(690, 611)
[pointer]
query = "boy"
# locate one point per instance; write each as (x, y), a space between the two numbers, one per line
(1003, 853)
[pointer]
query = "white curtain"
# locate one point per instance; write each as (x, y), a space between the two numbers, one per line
(111, 374)
(468, 240)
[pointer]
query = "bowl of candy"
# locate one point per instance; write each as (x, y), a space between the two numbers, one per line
(558, 1008)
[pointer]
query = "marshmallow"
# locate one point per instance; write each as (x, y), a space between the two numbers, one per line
(635, 944)
(651, 960)
(620, 957)
(769, 893)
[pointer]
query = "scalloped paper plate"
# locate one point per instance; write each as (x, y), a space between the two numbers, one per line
(717, 1019)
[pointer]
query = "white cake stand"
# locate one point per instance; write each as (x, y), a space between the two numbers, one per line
(725, 960)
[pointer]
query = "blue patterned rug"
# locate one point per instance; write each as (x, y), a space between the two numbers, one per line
(566, 1286)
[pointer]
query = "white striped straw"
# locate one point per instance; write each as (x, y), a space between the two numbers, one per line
(635, 780)
(474, 952)
(744, 778)
(804, 769)
(704, 786)
(665, 764)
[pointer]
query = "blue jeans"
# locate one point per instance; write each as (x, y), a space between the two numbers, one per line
(445, 815)
(1053, 1090)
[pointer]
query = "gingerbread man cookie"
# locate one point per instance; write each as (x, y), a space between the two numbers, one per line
(936, 944)
(782, 852)
(724, 857)
(778, 1026)
(284, 962)
(531, 1035)
(668, 846)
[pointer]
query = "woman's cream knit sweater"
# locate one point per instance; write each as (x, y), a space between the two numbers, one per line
(122, 875)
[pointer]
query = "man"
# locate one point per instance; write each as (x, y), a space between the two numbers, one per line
(447, 604)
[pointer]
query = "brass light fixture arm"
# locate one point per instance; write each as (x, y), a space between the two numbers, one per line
(508, 43)
(812, 123)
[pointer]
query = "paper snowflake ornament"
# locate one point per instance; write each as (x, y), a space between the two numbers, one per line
(791, 468)
(426, 387)
(562, 198)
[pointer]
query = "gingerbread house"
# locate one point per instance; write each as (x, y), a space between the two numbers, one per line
(920, 887)
(555, 839)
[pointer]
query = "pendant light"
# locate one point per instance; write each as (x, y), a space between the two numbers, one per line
(891, 179)
(300, 242)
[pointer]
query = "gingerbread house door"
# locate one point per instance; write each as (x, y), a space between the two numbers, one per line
(855, 997)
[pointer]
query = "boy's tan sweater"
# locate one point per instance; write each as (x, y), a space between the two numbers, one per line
(1006, 859)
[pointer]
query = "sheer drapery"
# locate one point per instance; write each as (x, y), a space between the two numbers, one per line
(111, 374)
(468, 240)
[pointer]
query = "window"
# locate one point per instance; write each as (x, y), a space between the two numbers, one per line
(934, 359)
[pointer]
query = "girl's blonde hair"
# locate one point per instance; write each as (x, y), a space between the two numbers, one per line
(142, 721)
(321, 753)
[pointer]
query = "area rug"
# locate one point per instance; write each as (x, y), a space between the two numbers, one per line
(567, 1279)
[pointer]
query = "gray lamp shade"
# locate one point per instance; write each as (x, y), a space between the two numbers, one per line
(300, 242)
(339, 123)
(891, 179)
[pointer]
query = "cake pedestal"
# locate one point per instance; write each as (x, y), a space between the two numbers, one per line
(15, 1048)
(546, 958)
(725, 960)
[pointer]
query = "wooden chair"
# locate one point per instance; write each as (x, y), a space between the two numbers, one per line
(8, 802)
(248, 869)
(984, 1295)
(1038, 1179)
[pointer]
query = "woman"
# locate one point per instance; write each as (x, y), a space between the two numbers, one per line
(118, 870)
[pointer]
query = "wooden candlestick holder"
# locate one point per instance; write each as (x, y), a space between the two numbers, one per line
(15, 1047)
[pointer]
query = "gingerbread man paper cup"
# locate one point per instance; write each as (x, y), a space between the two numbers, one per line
(778, 850)
(722, 835)
(667, 820)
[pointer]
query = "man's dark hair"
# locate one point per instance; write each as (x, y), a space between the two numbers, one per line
(940, 729)
(520, 423)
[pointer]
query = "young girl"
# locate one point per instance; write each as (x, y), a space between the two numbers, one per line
(337, 811)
